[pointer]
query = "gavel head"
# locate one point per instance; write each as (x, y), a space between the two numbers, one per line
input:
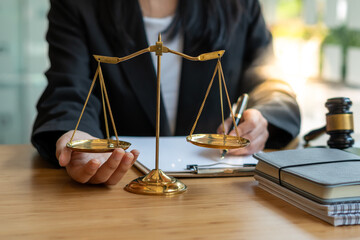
(339, 122)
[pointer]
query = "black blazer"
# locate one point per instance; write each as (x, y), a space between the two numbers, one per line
(78, 29)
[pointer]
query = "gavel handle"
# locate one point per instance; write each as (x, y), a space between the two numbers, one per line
(314, 134)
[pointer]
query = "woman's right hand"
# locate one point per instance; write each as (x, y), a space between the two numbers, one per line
(94, 168)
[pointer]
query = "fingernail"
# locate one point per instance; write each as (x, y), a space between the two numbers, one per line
(61, 161)
(120, 150)
(133, 161)
(128, 159)
(94, 164)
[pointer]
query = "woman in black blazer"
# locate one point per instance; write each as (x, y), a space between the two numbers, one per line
(78, 29)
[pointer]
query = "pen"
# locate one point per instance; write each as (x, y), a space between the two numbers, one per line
(240, 107)
(229, 170)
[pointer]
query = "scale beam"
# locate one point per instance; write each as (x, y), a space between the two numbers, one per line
(116, 60)
(159, 49)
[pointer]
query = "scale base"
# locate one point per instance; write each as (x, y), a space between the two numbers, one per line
(156, 182)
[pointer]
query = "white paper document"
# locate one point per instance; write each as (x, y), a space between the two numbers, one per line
(175, 154)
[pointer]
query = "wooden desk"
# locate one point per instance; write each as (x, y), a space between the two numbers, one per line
(38, 201)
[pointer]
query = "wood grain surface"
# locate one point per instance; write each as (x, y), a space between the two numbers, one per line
(39, 201)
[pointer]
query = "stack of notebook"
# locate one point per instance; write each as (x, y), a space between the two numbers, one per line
(323, 182)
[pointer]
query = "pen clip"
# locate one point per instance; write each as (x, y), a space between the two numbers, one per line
(192, 167)
(241, 105)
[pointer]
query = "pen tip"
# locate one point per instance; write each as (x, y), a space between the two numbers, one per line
(223, 154)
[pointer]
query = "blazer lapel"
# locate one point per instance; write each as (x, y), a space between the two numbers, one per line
(195, 79)
(139, 71)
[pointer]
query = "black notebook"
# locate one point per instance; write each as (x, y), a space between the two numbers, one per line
(321, 174)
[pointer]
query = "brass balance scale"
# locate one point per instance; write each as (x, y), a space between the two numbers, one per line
(156, 182)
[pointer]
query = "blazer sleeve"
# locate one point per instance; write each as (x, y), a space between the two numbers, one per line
(273, 97)
(69, 80)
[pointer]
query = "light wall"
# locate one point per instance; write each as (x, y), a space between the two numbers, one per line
(23, 60)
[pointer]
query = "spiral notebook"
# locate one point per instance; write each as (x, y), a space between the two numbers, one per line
(337, 214)
(179, 158)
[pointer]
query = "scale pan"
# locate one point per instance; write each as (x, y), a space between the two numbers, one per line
(218, 141)
(97, 145)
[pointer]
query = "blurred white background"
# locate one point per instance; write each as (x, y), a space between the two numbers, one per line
(317, 43)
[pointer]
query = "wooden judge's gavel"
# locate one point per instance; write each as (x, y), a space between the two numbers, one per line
(339, 124)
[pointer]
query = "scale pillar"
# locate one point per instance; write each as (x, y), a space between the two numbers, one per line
(157, 182)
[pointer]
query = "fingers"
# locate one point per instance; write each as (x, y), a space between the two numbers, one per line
(106, 168)
(83, 173)
(255, 145)
(85, 170)
(114, 169)
(227, 124)
(127, 161)
(63, 154)
(136, 154)
(254, 128)
(109, 167)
